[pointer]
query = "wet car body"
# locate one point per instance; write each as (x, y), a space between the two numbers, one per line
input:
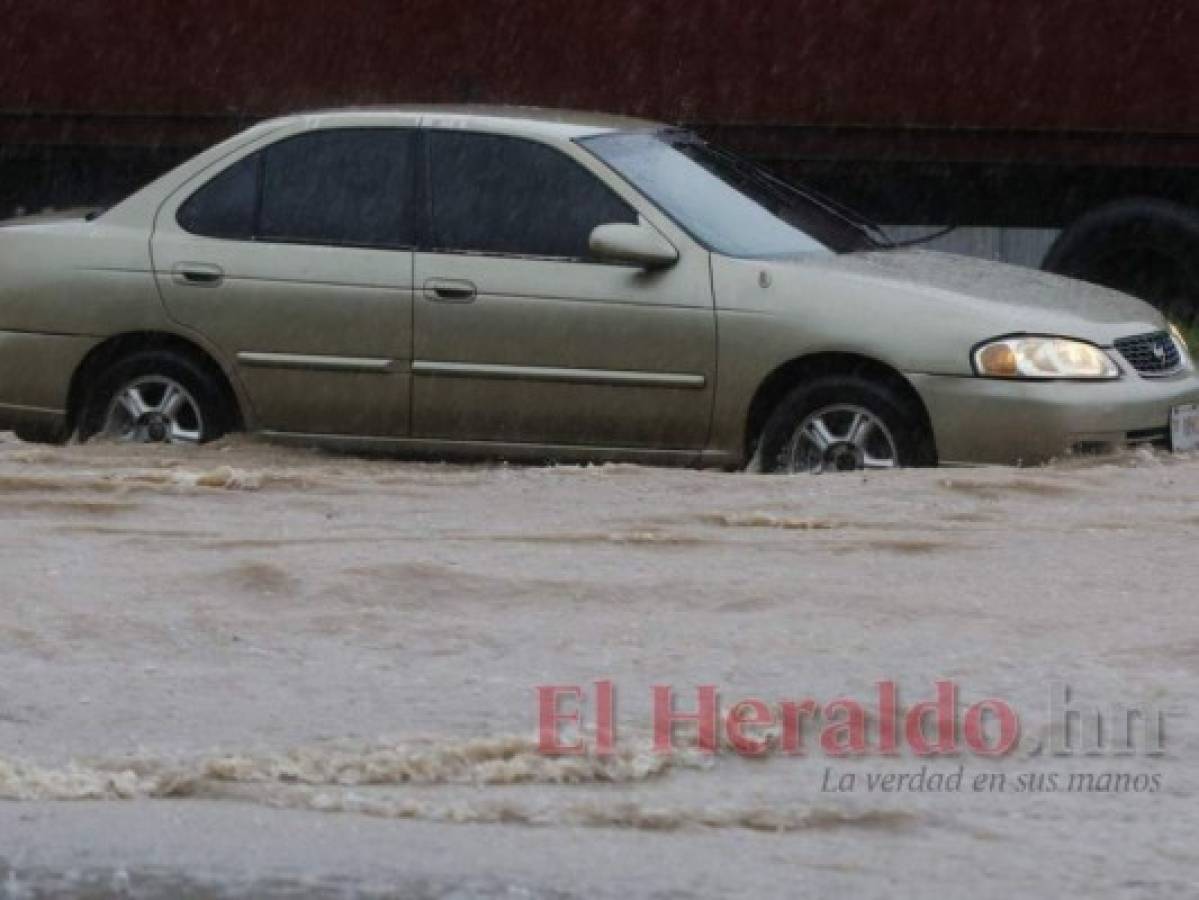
(568, 312)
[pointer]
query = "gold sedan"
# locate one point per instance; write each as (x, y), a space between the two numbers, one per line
(542, 285)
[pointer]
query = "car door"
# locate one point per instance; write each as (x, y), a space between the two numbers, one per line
(520, 336)
(296, 262)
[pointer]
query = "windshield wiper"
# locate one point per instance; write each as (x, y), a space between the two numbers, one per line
(925, 238)
(873, 229)
(786, 191)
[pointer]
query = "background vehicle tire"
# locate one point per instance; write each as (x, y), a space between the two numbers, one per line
(156, 396)
(844, 423)
(1145, 247)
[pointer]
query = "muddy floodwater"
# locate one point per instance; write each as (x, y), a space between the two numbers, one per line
(243, 670)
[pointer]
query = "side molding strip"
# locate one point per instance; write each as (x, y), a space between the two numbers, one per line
(570, 376)
(318, 363)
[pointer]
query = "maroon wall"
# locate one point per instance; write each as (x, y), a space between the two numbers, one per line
(1025, 64)
(1012, 112)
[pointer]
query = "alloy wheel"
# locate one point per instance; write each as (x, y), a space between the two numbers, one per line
(154, 409)
(840, 438)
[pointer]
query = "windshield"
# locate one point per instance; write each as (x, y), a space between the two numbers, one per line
(728, 204)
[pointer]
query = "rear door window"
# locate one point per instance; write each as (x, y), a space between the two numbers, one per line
(500, 195)
(340, 187)
(344, 187)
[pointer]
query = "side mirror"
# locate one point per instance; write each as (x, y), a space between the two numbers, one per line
(637, 245)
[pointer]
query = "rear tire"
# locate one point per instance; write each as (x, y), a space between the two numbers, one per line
(197, 412)
(41, 434)
(844, 423)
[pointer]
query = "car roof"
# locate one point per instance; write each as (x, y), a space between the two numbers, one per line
(518, 120)
(548, 125)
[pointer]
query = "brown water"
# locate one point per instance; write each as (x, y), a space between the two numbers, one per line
(280, 673)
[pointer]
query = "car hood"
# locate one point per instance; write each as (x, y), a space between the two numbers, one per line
(1008, 299)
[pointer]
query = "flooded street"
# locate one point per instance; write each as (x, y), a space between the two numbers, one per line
(244, 670)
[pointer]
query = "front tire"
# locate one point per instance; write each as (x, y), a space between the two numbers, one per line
(843, 423)
(156, 396)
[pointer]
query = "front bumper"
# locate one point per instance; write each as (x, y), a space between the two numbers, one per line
(986, 420)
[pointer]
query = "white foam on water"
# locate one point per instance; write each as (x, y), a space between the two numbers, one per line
(344, 780)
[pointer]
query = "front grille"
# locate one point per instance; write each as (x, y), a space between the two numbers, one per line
(1151, 354)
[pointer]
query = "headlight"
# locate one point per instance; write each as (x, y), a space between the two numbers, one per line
(1184, 351)
(1043, 357)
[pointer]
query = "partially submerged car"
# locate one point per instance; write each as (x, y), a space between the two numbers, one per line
(532, 284)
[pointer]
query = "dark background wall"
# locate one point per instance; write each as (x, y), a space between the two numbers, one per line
(916, 108)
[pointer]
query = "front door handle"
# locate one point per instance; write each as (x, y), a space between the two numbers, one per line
(194, 274)
(450, 290)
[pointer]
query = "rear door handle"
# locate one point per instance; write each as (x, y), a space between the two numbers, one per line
(450, 290)
(195, 274)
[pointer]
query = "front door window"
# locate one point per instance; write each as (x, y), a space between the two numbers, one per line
(506, 196)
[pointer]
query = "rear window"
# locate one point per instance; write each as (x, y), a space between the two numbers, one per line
(225, 207)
